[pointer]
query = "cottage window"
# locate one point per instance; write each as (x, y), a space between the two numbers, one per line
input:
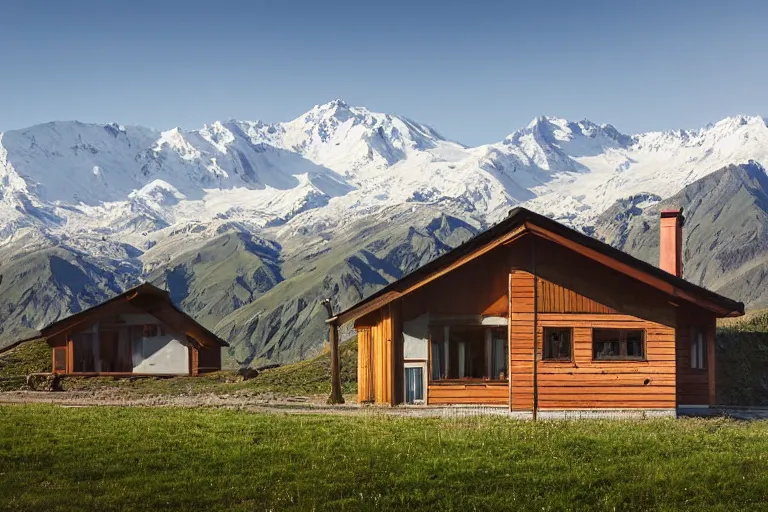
(85, 352)
(468, 353)
(698, 348)
(557, 344)
(618, 344)
(60, 359)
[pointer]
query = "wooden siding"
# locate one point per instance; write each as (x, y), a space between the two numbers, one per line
(194, 361)
(468, 393)
(693, 384)
(364, 366)
(386, 355)
(582, 295)
(477, 288)
(584, 383)
(553, 298)
(521, 336)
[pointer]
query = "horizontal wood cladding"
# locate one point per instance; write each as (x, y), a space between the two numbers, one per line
(460, 394)
(521, 332)
(553, 298)
(584, 383)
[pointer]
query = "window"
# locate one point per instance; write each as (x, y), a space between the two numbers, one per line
(618, 344)
(698, 348)
(59, 359)
(557, 344)
(414, 384)
(85, 352)
(468, 353)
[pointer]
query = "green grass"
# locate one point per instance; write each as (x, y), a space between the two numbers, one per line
(305, 378)
(132, 459)
(742, 370)
(18, 362)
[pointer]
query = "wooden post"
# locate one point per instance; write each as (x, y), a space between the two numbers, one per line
(333, 339)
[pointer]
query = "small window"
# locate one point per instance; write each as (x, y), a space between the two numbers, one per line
(698, 348)
(618, 344)
(557, 344)
(414, 384)
(60, 359)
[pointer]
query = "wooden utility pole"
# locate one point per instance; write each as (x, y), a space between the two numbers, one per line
(333, 339)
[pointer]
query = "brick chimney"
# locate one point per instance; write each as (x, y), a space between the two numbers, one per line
(671, 243)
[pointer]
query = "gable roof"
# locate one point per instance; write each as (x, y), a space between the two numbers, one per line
(521, 221)
(147, 297)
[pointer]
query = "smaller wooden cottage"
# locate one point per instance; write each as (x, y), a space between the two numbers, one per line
(139, 332)
(538, 319)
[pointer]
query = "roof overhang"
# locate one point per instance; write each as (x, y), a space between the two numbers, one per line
(144, 297)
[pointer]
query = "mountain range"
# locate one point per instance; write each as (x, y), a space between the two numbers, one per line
(250, 225)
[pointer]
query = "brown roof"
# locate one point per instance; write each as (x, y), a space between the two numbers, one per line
(151, 299)
(522, 220)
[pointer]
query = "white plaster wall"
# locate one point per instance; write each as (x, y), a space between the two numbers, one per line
(416, 338)
(163, 354)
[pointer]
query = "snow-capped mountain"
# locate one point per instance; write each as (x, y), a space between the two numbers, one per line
(337, 162)
(139, 201)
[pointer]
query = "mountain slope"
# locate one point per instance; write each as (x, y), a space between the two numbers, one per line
(249, 224)
(278, 325)
(725, 244)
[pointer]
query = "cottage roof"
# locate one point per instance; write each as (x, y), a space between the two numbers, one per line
(522, 221)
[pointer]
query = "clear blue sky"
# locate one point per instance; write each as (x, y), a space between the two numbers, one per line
(475, 70)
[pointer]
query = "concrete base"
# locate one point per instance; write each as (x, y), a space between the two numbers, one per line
(619, 414)
(457, 411)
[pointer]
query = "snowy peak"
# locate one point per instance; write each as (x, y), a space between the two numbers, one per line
(555, 131)
(350, 139)
(336, 163)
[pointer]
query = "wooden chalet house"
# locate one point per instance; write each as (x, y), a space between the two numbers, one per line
(139, 332)
(536, 318)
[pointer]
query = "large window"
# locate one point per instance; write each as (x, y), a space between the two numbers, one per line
(618, 344)
(557, 344)
(698, 348)
(469, 353)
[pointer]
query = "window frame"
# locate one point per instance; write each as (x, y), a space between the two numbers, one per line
(698, 330)
(58, 353)
(624, 358)
(544, 357)
(463, 380)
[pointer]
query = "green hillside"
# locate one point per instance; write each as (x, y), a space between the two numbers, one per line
(20, 361)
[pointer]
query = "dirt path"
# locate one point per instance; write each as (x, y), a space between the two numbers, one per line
(114, 399)
(267, 403)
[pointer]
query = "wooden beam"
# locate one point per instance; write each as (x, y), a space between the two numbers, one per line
(333, 337)
(711, 333)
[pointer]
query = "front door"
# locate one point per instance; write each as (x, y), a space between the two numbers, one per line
(414, 384)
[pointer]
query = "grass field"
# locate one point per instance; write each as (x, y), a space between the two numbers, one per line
(131, 459)
(311, 377)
